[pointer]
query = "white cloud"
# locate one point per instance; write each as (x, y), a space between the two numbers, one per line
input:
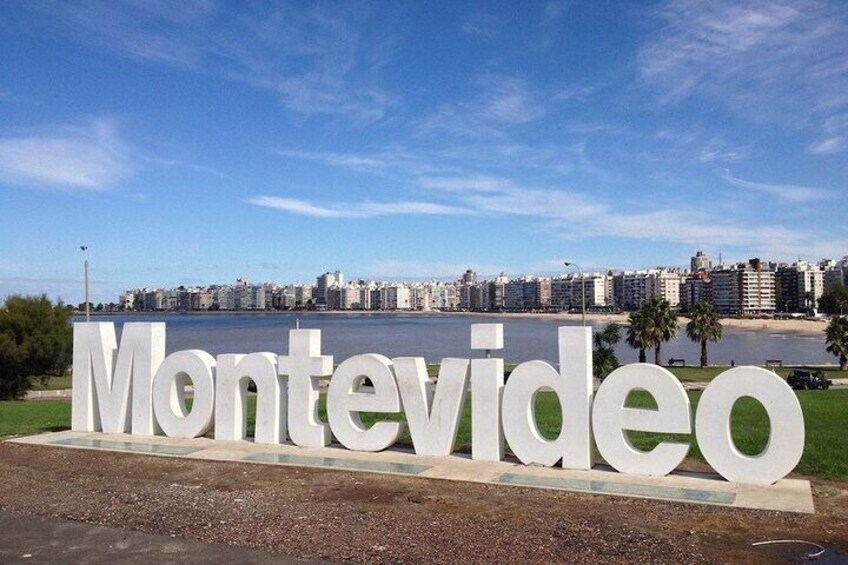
(785, 192)
(316, 59)
(91, 158)
(573, 215)
(828, 146)
(502, 102)
(774, 61)
(356, 210)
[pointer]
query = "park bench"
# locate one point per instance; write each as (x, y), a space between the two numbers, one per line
(774, 362)
(676, 362)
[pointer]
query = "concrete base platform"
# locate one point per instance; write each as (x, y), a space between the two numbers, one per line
(787, 495)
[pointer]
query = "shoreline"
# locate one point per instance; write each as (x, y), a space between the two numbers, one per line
(749, 324)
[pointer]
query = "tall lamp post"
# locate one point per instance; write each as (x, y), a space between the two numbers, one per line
(84, 249)
(582, 289)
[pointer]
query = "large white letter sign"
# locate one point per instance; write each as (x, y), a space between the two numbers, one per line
(233, 375)
(176, 371)
(487, 384)
(573, 387)
(611, 420)
(345, 401)
(301, 370)
(103, 385)
(433, 430)
(786, 435)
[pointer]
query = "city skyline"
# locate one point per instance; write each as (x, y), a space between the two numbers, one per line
(754, 287)
(200, 142)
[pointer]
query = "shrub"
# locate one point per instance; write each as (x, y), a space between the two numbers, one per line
(36, 340)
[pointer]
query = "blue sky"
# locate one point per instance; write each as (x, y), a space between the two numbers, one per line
(195, 142)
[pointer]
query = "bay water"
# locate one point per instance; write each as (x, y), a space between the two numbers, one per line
(439, 335)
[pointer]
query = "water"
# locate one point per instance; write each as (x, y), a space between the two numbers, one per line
(437, 336)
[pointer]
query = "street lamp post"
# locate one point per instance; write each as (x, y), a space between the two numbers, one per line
(582, 289)
(84, 249)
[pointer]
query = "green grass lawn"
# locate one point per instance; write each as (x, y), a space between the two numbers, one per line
(825, 414)
(35, 416)
(685, 374)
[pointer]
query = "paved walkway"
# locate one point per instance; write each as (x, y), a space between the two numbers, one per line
(36, 539)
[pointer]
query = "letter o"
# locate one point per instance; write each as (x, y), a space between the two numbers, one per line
(177, 370)
(786, 421)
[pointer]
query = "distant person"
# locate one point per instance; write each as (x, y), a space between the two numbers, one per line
(732, 363)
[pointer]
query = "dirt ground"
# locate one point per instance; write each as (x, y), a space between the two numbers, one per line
(346, 516)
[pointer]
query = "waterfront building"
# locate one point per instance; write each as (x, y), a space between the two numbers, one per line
(836, 274)
(497, 293)
(514, 295)
(801, 285)
(396, 297)
(747, 289)
(598, 290)
(323, 283)
(631, 288)
(695, 288)
(561, 292)
(664, 284)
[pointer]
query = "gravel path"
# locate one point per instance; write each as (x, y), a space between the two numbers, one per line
(345, 516)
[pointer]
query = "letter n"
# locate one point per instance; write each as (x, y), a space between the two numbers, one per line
(112, 386)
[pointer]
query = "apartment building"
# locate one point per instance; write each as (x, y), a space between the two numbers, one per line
(801, 285)
(747, 289)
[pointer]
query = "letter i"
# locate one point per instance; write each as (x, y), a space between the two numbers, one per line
(487, 385)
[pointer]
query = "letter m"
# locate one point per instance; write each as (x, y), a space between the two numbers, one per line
(111, 386)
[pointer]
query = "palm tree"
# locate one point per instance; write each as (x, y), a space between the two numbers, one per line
(637, 334)
(608, 337)
(704, 325)
(604, 360)
(660, 324)
(837, 340)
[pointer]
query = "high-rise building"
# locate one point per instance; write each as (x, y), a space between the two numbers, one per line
(747, 289)
(836, 274)
(324, 282)
(700, 262)
(801, 285)
(696, 288)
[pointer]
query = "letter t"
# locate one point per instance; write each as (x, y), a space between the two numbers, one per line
(303, 366)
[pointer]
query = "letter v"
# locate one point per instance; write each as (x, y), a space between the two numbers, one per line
(433, 429)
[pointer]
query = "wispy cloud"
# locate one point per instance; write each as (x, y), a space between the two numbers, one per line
(785, 192)
(357, 209)
(716, 151)
(828, 146)
(480, 25)
(179, 164)
(835, 131)
(573, 215)
(501, 102)
(316, 59)
(89, 158)
(779, 62)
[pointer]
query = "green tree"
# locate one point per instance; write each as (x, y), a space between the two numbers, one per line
(837, 340)
(636, 334)
(834, 300)
(704, 325)
(36, 339)
(660, 324)
(604, 360)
